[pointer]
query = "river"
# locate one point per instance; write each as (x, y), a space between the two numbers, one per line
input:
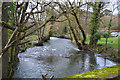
(58, 57)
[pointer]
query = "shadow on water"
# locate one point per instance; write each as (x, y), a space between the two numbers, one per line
(60, 58)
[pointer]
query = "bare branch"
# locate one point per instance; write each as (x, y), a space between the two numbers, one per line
(19, 5)
(23, 13)
(13, 28)
(22, 43)
(20, 38)
(29, 14)
(12, 36)
(58, 20)
(7, 26)
(35, 12)
(44, 4)
(70, 9)
(28, 27)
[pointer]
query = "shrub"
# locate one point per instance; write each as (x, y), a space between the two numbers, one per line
(105, 34)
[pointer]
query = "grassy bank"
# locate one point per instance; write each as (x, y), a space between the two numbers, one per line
(108, 72)
(112, 41)
(112, 47)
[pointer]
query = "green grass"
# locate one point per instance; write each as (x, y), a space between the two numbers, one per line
(67, 35)
(112, 41)
(101, 73)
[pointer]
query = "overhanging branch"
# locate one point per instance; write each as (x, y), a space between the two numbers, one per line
(3, 24)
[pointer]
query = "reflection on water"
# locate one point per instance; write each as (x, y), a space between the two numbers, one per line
(92, 61)
(60, 58)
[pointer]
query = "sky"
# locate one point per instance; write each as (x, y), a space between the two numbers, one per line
(110, 7)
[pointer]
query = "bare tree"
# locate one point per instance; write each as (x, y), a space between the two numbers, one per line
(77, 20)
(113, 6)
(20, 30)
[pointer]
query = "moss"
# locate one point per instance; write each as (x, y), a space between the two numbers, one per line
(10, 74)
(101, 73)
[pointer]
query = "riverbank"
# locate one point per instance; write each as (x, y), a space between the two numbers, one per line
(109, 72)
(112, 51)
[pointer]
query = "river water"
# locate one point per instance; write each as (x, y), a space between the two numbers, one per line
(58, 57)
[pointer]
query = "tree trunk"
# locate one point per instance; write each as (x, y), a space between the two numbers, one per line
(3, 41)
(95, 22)
(80, 27)
(72, 30)
(91, 43)
(106, 42)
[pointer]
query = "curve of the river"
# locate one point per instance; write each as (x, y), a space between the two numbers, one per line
(58, 57)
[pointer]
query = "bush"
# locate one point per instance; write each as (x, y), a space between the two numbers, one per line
(105, 34)
(97, 36)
